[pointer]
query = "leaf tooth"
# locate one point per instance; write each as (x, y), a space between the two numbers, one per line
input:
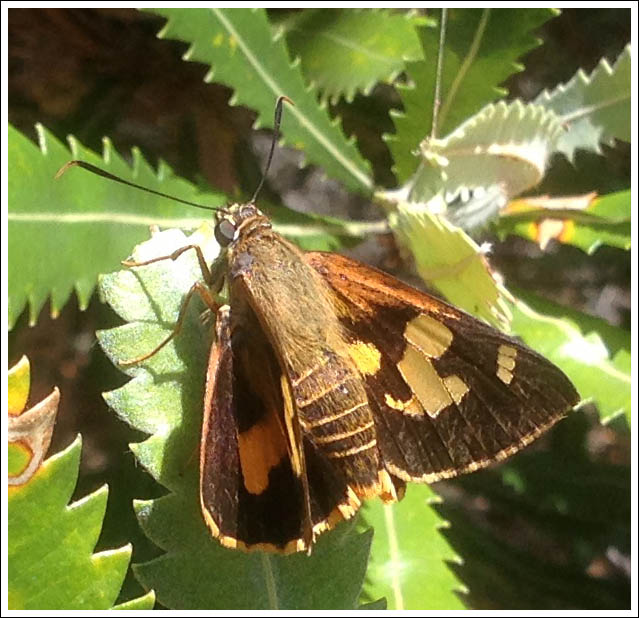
(73, 145)
(233, 100)
(42, 138)
(210, 75)
(107, 150)
(35, 304)
(164, 30)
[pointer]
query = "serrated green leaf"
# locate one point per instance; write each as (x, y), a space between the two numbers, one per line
(165, 399)
(144, 602)
(585, 359)
(82, 224)
(481, 51)
(409, 554)
(345, 51)
(50, 544)
(605, 221)
(505, 145)
(243, 54)
(594, 108)
(450, 261)
(559, 496)
(512, 577)
(379, 604)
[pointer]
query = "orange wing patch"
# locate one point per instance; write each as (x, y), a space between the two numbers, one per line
(261, 448)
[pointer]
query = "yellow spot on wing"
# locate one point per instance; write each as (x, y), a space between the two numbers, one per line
(396, 404)
(289, 419)
(424, 380)
(428, 335)
(456, 387)
(365, 356)
(409, 407)
(506, 356)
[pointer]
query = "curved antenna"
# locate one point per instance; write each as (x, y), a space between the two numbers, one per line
(276, 134)
(100, 172)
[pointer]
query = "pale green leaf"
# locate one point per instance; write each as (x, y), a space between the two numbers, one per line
(594, 108)
(408, 563)
(481, 51)
(243, 54)
(50, 543)
(345, 51)
(164, 399)
(144, 602)
(505, 145)
(450, 261)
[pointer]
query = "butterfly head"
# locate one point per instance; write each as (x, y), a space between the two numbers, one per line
(236, 220)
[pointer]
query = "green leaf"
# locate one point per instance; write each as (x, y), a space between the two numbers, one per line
(18, 386)
(505, 145)
(562, 497)
(586, 359)
(320, 233)
(165, 399)
(239, 47)
(144, 602)
(481, 51)
(503, 575)
(345, 51)
(595, 108)
(409, 554)
(51, 564)
(81, 224)
(379, 604)
(450, 261)
(605, 221)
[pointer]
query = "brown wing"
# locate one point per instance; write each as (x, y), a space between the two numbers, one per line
(253, 489)
(450, 394)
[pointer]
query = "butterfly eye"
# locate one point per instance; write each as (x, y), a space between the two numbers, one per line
(224, 232)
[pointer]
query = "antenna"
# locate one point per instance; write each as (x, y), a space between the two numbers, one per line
(276, 134)
(100, 172)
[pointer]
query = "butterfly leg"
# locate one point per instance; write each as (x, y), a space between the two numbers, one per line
(206, 292)
(206, 272)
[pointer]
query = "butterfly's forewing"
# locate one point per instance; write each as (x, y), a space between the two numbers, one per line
(450, 393)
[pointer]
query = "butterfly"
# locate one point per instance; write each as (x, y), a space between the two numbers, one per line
(330, 382)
